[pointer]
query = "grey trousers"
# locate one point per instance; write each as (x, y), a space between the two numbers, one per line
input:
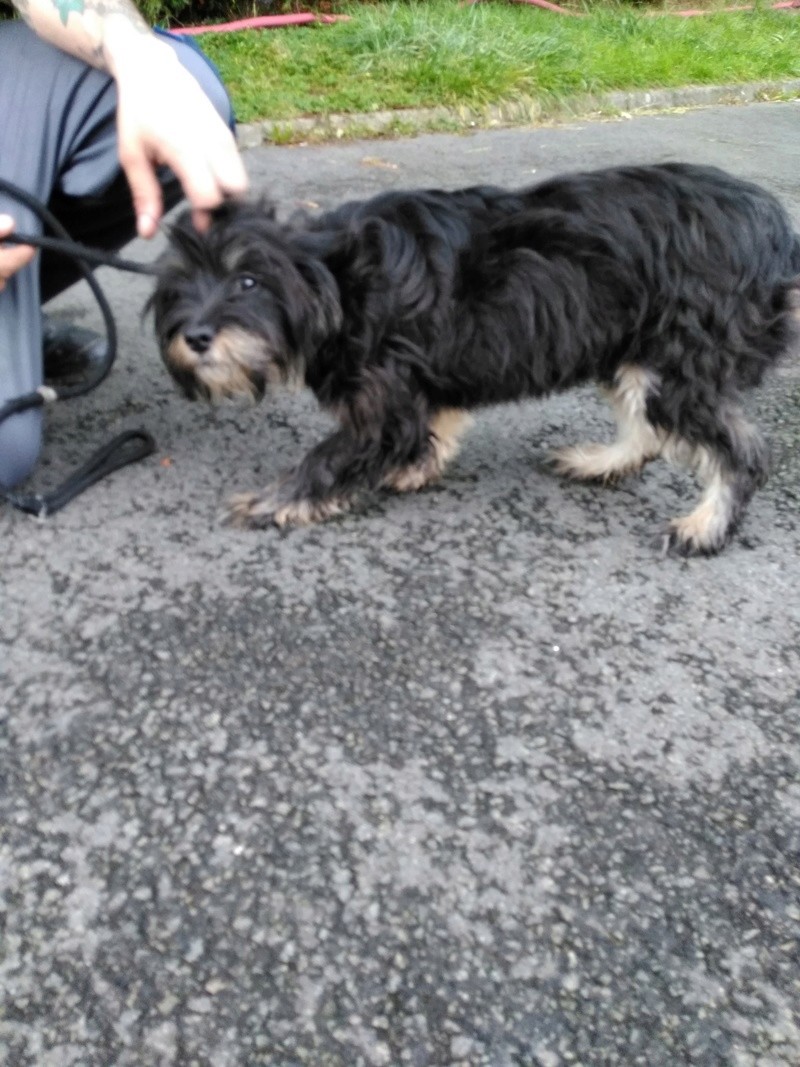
(58, 142)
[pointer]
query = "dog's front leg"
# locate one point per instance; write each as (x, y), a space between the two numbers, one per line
(321, 486)
(384, 427)
(327, 480)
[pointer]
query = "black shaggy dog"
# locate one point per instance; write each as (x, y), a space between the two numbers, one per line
(674, 287)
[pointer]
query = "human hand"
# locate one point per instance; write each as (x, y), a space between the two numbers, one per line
(13, 257)
(164, 117)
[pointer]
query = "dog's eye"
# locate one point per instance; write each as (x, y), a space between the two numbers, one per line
(245, 282)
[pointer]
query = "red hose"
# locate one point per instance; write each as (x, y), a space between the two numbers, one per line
(691, 12)
(550, 7)
(784, 5)
(260, 22)
(265, 22)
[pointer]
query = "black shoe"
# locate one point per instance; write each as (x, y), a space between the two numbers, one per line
(70, 353)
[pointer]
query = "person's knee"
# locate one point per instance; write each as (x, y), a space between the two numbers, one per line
(20, 445)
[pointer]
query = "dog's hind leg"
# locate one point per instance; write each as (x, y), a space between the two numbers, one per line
(638, 441)
(730, 470)
(446, 428)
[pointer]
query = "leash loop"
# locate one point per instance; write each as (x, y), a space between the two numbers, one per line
(125, 448)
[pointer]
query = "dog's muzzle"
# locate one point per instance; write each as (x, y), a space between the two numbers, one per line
(215, 366)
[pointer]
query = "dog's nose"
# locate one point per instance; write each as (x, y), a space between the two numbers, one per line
(199, 338)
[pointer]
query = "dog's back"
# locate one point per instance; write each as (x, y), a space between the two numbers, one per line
(631, 205)
(676, 210)
(619, 248)
(612, 255)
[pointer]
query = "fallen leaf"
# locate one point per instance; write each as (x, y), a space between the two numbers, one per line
(373, 161)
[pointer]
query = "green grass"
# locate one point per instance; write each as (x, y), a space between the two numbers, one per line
(436, 52)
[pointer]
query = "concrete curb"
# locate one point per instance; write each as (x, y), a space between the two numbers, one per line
(523, 112)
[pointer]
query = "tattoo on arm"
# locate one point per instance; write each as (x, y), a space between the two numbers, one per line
(84, 39)
(27, 8)
(64, 7)
(101, 8)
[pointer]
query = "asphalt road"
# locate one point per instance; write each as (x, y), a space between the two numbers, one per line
(468, 778)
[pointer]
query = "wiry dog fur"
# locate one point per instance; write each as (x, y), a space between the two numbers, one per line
(672, 286)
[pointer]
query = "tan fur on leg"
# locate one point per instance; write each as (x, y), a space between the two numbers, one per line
(263, 509)
(727, 490)
(446, 428)
(706, 528)
(637, 440)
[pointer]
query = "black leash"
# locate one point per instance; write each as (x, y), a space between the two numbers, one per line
(96, 256)
(128, 447)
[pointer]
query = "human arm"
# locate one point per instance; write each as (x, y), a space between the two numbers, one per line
(163, 115)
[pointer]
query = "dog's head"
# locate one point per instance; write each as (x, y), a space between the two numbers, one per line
(241, 307)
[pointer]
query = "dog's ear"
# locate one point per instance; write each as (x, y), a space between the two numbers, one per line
(179, 226)
(185, 244)
(319, 318)
(231, 209)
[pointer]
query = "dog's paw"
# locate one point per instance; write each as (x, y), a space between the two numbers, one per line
(596, 463)
(256, 511)
(248, 511)
(414, 477)
(681, 540)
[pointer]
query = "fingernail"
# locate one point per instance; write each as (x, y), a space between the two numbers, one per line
(146, 226)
